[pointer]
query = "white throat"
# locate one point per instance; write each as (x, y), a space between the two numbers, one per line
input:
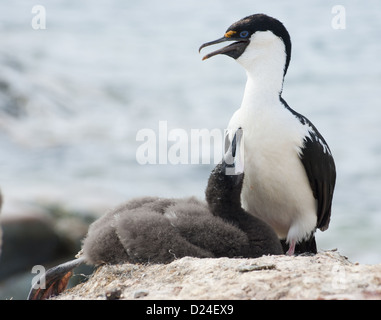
(264, 60)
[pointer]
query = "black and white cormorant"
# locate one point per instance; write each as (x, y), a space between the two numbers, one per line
(159, 230)
(289, 169)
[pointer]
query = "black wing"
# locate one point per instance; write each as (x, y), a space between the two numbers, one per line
(320, 168)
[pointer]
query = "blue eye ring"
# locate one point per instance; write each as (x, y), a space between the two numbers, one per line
(244, 34)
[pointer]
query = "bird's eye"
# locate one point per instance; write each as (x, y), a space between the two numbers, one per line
(244, 34)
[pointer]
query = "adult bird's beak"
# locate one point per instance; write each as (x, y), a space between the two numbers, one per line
(233, 50)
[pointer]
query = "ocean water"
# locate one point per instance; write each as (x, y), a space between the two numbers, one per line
(75, 95)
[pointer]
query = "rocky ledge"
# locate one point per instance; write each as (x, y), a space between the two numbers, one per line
(326, 275)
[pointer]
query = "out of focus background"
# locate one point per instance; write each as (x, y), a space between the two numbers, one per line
(73, 97)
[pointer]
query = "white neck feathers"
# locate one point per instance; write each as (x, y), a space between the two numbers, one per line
(264, 60)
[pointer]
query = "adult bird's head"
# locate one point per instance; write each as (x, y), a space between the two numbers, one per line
(256, 38)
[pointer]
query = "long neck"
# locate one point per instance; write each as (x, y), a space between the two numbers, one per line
(223, 194)
(265, 73)
(261, 89)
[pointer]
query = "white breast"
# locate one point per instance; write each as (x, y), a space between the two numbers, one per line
(276, 187)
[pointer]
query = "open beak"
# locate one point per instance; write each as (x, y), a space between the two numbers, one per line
(233, 50)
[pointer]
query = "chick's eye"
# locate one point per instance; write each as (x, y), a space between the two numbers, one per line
(244, 34)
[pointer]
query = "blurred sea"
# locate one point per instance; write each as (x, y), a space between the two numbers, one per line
(74, 95)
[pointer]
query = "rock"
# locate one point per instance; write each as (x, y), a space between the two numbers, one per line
(113, 294)
(326, 275)
(254, 267)
(140, 293)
